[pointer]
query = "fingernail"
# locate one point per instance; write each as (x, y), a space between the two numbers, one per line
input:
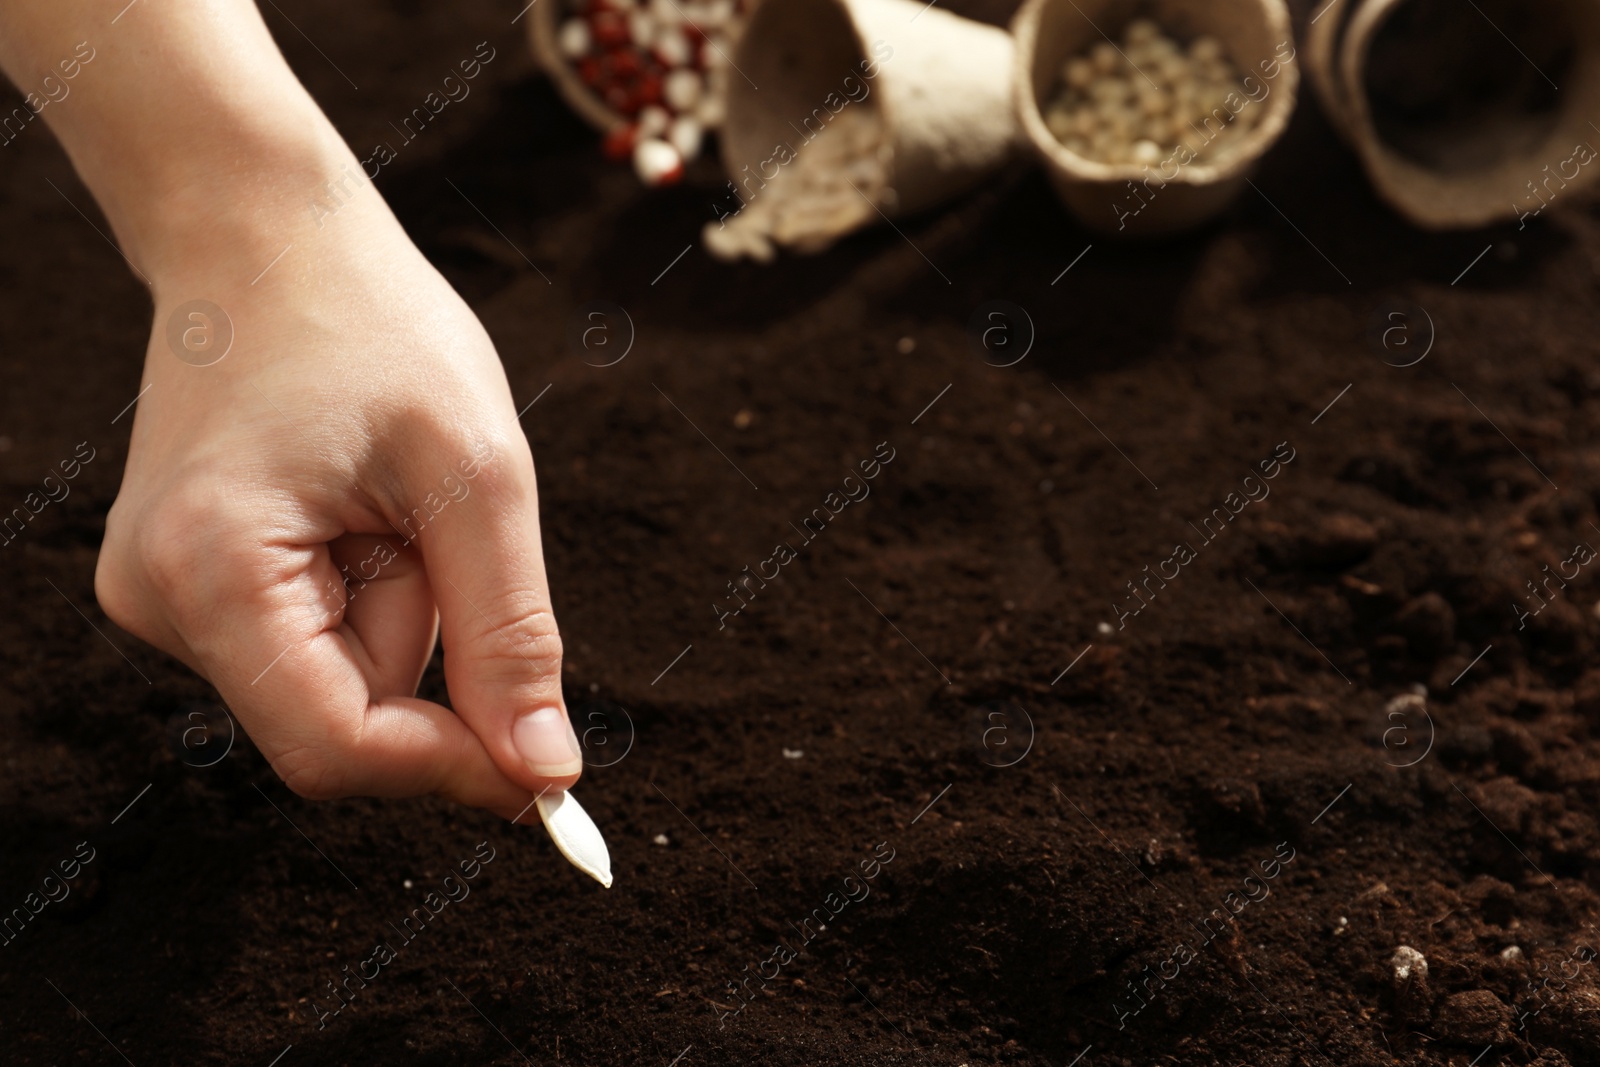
(546, 743)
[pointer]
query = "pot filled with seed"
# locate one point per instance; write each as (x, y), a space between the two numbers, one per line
(652, 75)
(1151, 116)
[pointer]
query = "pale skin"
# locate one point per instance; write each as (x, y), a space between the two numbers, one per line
(359, 388)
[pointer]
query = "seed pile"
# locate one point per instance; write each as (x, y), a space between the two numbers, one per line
(662, 65)
(1137, 104)
(820, 193)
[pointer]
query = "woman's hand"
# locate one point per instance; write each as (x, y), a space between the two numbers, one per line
(326, 464)
(298, 516)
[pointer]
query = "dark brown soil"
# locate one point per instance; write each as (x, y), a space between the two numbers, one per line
(1239, 719)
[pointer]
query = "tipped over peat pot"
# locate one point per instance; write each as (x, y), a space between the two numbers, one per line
(1463, 114)
(859, 109)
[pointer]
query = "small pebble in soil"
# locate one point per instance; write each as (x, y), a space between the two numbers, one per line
(1139, 104)
(406, 883)
(1104, 629)
(906, 345)
(792, 753)
(1406, 962)
(1511, 952)
(662, 839)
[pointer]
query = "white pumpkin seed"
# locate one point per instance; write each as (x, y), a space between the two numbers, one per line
(576, 835)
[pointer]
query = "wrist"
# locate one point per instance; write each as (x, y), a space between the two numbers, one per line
(209, 215)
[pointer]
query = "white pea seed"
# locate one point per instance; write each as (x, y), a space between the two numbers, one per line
(1206, 49)
(575, 835)
(685, 135)
(672, 46)
(653, 121)
(1175, 70)
(1078, 73)
(573, 39)
(710, 110)
(1105, 58)
(666, 12)
(1060, 122)
(1106, 90)
(1140, 30)
(641, 27)
(724, 242)
(681, 89)
(1145, 152)
(1154, 102)
(1162, 49)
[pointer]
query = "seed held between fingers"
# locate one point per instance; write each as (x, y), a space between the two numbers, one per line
(576, 835)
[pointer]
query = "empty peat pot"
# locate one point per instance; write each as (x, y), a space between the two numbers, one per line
(841, 112)
(1183, 189)
(1463, 114)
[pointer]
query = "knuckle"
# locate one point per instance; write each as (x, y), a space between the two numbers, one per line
(451, 464)
(494, 469)
(522, 641)
(116, 590)
(181, 535)
(313, 772)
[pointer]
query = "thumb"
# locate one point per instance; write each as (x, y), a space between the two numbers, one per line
(478, 529)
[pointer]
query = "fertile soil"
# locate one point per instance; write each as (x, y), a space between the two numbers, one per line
(1206, 848)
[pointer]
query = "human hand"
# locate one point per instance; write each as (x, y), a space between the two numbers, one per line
(358, 424)
(298, 517)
